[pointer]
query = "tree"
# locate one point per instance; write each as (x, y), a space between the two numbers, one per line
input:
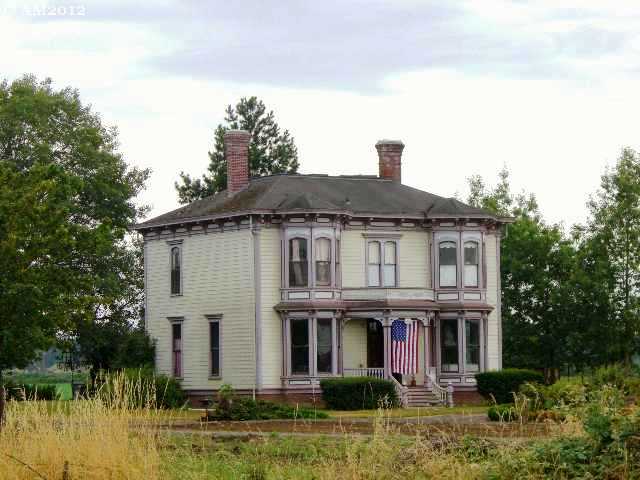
(537, 262)
(67, 198)
(270, 150)
(612, 239)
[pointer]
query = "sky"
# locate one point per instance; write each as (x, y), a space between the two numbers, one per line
(548, 89)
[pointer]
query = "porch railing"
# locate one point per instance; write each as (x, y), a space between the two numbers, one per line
(401, 391)
(363, 372)
(445, 395)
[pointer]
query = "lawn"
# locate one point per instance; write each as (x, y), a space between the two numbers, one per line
(62, 381)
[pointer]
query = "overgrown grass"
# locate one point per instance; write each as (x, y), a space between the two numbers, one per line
(410, 412)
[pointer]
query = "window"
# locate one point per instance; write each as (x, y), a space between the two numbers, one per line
(323, 261)
(324, 345)
(389, 272)
(298, 263)
(176, 281)
(382, 264)
(471, 262)
(472, 346)
(449, 345)
(300, 347)
(448, 262)
(374, 264)
(176, 348)
(214, 342)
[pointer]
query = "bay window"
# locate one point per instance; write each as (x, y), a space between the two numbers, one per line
(324, 348)
(323, 261)
(472, 346)
(448, 264)
(298, 263)
(471, 264)
(311, 346)
(449, 345)
(300, 346)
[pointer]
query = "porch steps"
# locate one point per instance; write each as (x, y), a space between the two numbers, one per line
(421, 397)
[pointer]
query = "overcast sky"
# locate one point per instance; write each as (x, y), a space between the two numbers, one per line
(548, 88)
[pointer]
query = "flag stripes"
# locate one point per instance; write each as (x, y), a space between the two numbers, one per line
(404, 347)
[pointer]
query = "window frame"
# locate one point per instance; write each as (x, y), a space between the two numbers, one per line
(456, 321)
(331, 261)
(309, 247)
(173, 245)
(476, 243)
(461, 321)
(382, 242)
(215, 319)
(312, 332)
(478, 346)
(456, 244)
(176, 322)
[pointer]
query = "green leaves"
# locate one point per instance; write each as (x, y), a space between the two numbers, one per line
(271, 150)
(67, 199)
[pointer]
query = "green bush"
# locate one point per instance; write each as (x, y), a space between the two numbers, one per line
(620, 376)
(242, 409)
(503, 413)
(565, 394)
(501, 385)
(27, 391)
(355, 393)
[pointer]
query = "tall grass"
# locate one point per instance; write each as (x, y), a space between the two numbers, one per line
(101, 437)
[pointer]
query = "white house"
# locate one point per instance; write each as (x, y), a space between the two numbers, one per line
(283, 280)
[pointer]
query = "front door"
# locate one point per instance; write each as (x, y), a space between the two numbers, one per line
(375, 344)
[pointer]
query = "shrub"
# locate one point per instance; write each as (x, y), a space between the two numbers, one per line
(242, 409)
(620, 376)
(355, 393)
(565, 394)
(503, 413)
(142, 386)
(502, 384)
(30, 392)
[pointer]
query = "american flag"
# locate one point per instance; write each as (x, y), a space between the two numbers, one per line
(404, 347)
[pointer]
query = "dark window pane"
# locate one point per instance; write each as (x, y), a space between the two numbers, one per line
(176, 346)
(449, 345)
(325, 345)
(472, 338)
(214, 328)
(298, 263)
(300, 347)
(447, 253)
(175, 271)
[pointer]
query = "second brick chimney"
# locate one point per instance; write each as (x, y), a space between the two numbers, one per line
(390, 159)
(236, 152)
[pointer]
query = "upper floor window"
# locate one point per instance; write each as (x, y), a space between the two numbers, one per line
(471, 264)
(448, 264)
(298, 263)
(176, 271)
(382, 264)
(323, 261)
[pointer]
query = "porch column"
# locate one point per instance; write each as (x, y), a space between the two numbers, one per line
(427, 347)
(386, 328)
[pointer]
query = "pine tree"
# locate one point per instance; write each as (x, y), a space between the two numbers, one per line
(271, 150)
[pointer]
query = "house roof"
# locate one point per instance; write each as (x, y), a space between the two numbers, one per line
(353, 195)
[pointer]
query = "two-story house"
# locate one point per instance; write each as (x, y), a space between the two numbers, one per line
(282, 280)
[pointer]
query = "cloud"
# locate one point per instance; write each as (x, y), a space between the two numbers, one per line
(356, 45)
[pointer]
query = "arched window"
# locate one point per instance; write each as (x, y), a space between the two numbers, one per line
(176, 280)
(298, 263)
(448, 264)
(322, 248)
(471, 264)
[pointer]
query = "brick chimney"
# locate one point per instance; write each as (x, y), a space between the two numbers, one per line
(390, 159)
(236, 152)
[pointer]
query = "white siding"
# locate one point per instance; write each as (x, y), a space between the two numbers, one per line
(270, 296)
(217, 274)
(493, 346)
(413, 261)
